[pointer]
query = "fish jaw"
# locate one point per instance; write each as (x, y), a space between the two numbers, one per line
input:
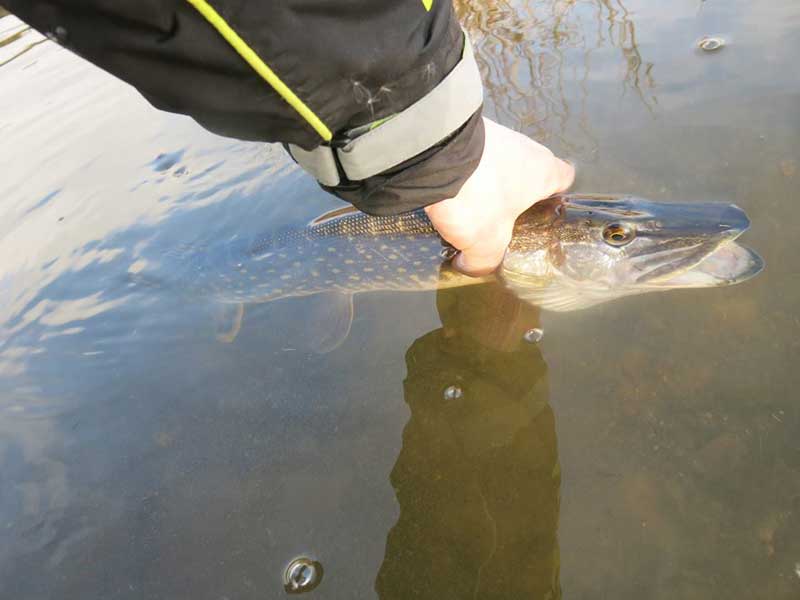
(561, 261)
(729, 264)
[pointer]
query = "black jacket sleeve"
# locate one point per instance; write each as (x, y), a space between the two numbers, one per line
(352, 63)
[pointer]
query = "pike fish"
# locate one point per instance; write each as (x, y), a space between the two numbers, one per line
(568, 252)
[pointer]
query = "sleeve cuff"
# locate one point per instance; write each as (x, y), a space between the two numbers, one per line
(404, 140)
(436, 174)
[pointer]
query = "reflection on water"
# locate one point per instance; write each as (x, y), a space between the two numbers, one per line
(477, 479)
(142, 458)
(536, 59)
(19, 33)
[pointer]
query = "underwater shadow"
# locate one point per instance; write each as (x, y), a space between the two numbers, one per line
(478, 477)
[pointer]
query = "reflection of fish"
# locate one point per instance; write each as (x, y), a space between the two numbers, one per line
(568, 252)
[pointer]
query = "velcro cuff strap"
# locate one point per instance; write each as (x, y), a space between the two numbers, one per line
(423, 124)
(319, 162)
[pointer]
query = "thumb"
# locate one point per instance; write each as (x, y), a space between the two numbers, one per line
(563, 176)
(485, 255)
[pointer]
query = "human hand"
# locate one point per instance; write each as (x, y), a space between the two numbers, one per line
(514, 173)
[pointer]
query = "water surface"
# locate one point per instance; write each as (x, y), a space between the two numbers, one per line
(646, 448)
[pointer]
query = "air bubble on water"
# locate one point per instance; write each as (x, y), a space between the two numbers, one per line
(710, 44)
(453, 392)
(302, 575)
(533, 335)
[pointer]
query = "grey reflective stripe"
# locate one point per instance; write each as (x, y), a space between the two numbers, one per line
(319, 162)
(422, 125)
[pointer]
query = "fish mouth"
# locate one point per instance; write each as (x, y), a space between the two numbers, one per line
(728, 264)
(672, 245)
(699, 250)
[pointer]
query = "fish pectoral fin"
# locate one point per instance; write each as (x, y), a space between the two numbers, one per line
(330, 321)
(228, 321)
(558, 298)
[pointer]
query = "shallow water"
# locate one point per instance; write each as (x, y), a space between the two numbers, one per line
(646, 448)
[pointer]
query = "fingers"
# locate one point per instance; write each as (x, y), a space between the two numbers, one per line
(485, 256)
(514, 173)
(479, 228)
(483, 249)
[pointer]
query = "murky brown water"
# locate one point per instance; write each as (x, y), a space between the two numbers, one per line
(647, 448)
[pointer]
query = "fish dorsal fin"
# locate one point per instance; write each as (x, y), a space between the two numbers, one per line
(337, 213)
(330, 321)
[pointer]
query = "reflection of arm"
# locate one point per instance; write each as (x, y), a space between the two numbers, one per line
(477, 478)
(338, 67)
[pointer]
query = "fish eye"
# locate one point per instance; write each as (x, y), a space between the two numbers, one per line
(618, 234)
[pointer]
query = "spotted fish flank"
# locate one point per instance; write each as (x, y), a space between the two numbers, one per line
(344, 251)
(567, 253)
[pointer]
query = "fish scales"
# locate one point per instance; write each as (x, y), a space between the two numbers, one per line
(347, 253)
(567, 253)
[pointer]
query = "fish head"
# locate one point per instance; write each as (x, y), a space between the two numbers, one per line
(573, 251)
